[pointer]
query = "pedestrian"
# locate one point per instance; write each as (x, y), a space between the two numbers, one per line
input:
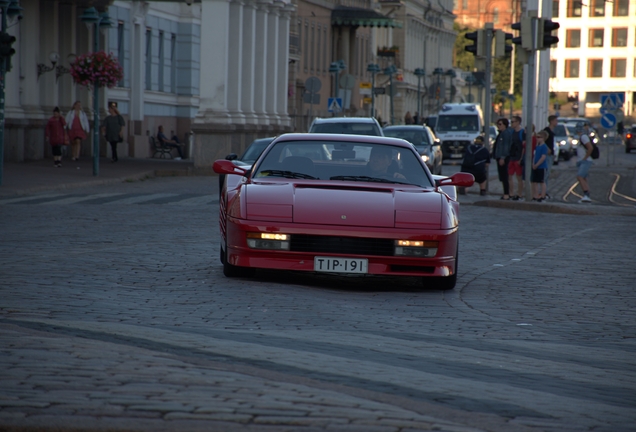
(584, 162)
(408, 119)
(476, 162)
(416, 118)
(56, 136)
(552, 124)
(78, 127)
(539, 167)
(516, 153)
(501, 152)
(113, 129)
(162, 138)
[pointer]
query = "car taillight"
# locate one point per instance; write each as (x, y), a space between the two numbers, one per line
(629, 136)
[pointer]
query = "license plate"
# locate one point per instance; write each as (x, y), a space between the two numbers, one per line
(340, 265)
(456, 156)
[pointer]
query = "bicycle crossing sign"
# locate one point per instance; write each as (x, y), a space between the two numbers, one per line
(612, 102)
(334, 105)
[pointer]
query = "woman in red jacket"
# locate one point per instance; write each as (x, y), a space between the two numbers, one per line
(56, 136)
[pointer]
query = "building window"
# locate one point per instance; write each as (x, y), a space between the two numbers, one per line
(465, 4)
(306, 47)
(120, 49)
(573, 38)
(319, 66)
(555, 9)
(162, 61)
(635, 68)
(574, 8)
(312, 44)
(595, 68)
(148, 59)
(596, 38)
(619, 68)
(553, 68)
(619, 37)
(495, 15)
(572, 68)
(621, 7)
(325, 50)
(597, 8)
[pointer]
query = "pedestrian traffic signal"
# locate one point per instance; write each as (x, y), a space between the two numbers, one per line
(6, 50)
(501, 47)
(546, 27)
(477, 49)
(525, 33)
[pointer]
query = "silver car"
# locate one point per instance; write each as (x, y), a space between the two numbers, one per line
(564, 138)
(347, 125)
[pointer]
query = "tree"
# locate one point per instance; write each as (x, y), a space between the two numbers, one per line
(463, 59)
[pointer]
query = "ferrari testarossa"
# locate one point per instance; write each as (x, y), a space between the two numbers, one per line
(342, 204)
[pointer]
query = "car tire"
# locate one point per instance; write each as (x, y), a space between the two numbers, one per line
(627, 149)
(567, 156)
(232, 271)
(556, 161)
(444, 283)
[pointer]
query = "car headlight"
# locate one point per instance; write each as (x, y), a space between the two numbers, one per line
(425, 158)
(271, 241)
(562, 142)
(575, 142)
(416, 248)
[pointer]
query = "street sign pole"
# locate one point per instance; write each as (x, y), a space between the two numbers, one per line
(488, 96)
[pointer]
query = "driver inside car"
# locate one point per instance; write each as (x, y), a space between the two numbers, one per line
(381, 164)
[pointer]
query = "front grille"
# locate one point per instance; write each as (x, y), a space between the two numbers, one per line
(341, 245)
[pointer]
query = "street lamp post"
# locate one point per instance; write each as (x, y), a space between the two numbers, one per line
(9, 9)
(374, 69)
(95, 20)
(512, 99)
(390, 71)
(419, 73)
(439, 72)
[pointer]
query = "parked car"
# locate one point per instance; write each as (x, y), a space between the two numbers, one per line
(563, 137)
(249, 156)
(573, 121)
(372, 209)
(630, 139)
(425, 142)
(346, 125)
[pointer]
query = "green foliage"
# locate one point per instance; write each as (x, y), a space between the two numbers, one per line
(463, 59)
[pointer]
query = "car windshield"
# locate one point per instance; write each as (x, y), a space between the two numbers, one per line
(346, 128)
(412, 135)
(255, 149)
(559, 130)
(345, 161)
(457, 123)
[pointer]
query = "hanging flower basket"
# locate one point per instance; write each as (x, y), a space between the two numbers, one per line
(97, 69)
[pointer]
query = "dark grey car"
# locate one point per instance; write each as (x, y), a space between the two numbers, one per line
(424, 141)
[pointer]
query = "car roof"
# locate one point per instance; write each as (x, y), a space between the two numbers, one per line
(367, 139)
(419, 127)
(345, 120)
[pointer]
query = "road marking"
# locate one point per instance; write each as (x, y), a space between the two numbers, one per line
(199, 200)
(143, 198)
(29, 198)
(73, 200)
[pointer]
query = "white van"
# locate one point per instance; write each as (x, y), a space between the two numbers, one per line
(458, 124)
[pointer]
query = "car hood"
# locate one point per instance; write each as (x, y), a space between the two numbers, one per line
(349, 204)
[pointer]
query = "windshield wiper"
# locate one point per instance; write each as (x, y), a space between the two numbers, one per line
(368, 179)
(287, 174)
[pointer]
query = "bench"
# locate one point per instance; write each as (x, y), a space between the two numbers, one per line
(159, 148)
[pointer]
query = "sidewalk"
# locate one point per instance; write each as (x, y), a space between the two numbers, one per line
(38, 176)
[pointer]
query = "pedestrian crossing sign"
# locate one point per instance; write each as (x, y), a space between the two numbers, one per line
(334, 105)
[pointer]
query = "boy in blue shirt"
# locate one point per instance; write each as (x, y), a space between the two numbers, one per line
(539, 167)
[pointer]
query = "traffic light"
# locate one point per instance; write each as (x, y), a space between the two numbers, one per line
(546, 27)
(501, 47)
(477, 49)
(6, 50)
(525, 33)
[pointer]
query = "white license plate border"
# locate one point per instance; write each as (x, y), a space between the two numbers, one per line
(364, 261)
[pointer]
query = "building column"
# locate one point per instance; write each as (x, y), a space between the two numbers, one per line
(67, 45)
(248, 61)
(215, 40)
(272, 65)
(260, 55)
(138, 64)
(582, 102)
(235, 70)
(283, 65)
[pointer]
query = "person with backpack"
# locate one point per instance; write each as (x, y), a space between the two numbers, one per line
(515, 170)
(476, 162)
(584, 155)
(500, 152)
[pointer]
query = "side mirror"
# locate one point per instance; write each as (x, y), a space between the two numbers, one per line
(223, 166)
(460, 179)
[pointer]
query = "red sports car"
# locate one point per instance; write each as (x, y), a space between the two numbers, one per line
(343, 204)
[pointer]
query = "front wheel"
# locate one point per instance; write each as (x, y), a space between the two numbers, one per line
(232, 271)
(444, 283)
(566, 156)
